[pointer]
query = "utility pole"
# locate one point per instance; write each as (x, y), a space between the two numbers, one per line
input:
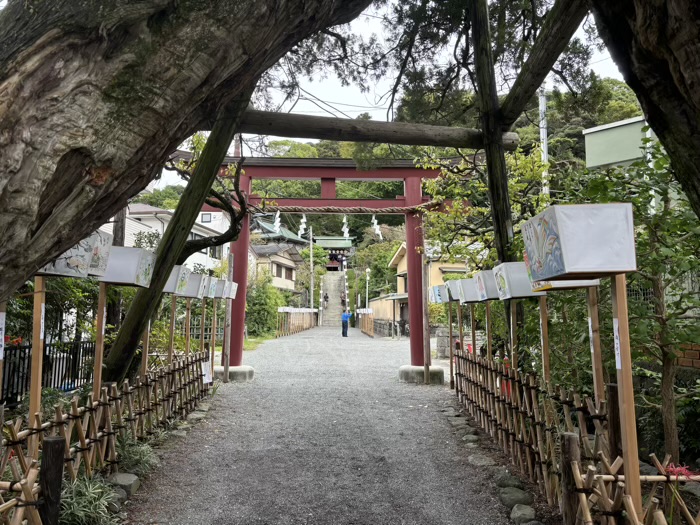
(311, 251)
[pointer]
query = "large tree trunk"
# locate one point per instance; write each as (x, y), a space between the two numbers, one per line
(656, 45)
(94, 95)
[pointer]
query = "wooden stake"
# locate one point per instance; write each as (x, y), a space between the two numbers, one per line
(460, 325)
(99, 340)
(452, 355)
(173, 313)
(37, 346)
(3, 313)
(623, 364)
(514, 334)
(472, 319)
(144, 354)
(489, 343)
(188, 318)
(204, 319)
(570, 452)
(596, 353)
(544, 338)
(51, 476)
(213, 335)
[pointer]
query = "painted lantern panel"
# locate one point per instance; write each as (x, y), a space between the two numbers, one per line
(469, 293)
(580, 241)
(129, 267)
(486, 285)
(74, 262)
(100, 253)
(513, 281)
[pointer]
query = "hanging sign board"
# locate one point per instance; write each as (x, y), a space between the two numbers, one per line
(73, 263)
(129, 267)
(100, 253)
(485, 285)
(580, 241)
(177, 282)
(232, 290)
(513, 281)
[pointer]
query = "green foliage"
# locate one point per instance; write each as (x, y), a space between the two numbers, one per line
(49, 398)
(86, 501)
(303, 272)
(136, 457)
(292, 148)
(147, 240)
(376, 257)
(437, 314)
(263, 299)
(167, 198)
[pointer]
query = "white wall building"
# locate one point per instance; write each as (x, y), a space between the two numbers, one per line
(145, 218)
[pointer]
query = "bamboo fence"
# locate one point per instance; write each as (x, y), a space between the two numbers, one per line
(90, 432)
(367, 324)
(294, 320)
(529, 418)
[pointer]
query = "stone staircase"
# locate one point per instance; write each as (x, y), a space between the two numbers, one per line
(333, 286)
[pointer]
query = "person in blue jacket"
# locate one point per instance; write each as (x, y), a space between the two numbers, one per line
(346, 321)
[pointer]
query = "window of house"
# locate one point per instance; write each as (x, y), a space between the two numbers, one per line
(289, 274)
(206, 217)
(216, 252)
(279, 271)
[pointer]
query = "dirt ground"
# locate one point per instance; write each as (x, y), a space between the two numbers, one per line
(325, 434)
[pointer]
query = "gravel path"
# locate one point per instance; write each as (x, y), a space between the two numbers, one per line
(325, 434)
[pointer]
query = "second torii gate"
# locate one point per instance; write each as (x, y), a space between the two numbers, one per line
(328, 171)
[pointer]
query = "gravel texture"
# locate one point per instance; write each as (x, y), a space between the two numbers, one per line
(325, 434)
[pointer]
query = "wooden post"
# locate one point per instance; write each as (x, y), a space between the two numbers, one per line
(52, 459)
(570, 451)
(489, 342)
(544, 338)
(623, 364)
(472, 320)
(146, 337)
(460, 325)
(173, 313)
(213, 334)
(614, 432)
(37, 346)
(514, 334)
(3, 314)
(596, 353)
(99, 341)
(426, 318)
(188, 319)
(201, 328)
(452, 355)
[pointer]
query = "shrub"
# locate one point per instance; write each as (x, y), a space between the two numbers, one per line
(86, 502)
(136, 458)
(263, 299)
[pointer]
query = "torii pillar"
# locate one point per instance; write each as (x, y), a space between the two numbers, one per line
(239, 249)
(415, 372)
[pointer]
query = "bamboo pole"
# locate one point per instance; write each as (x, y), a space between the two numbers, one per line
(489, 342)
(544, 338)
(596, 353)
(452, 357)
(188, 319)
(460, 325)
(37, 345)
(213, 334)
(99, 340)
(472, 320)
(201, 328)
(513, 334)
(623, 364)
(146, 337)
(3, 314)
(173, 312)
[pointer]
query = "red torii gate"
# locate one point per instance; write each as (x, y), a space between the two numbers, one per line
(328, 171)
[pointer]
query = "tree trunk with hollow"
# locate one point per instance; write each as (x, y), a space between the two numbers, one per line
(656, 46)
(94, 95)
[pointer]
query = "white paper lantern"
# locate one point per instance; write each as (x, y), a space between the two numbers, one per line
(100, 253)
(486, 286)
(129, 267)
(196, 286)
(223, 289)
(177, 282)
(513, 282)
(74, 262)
(211, 287)
(580, 241)
(468, 291)
(454, 290)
